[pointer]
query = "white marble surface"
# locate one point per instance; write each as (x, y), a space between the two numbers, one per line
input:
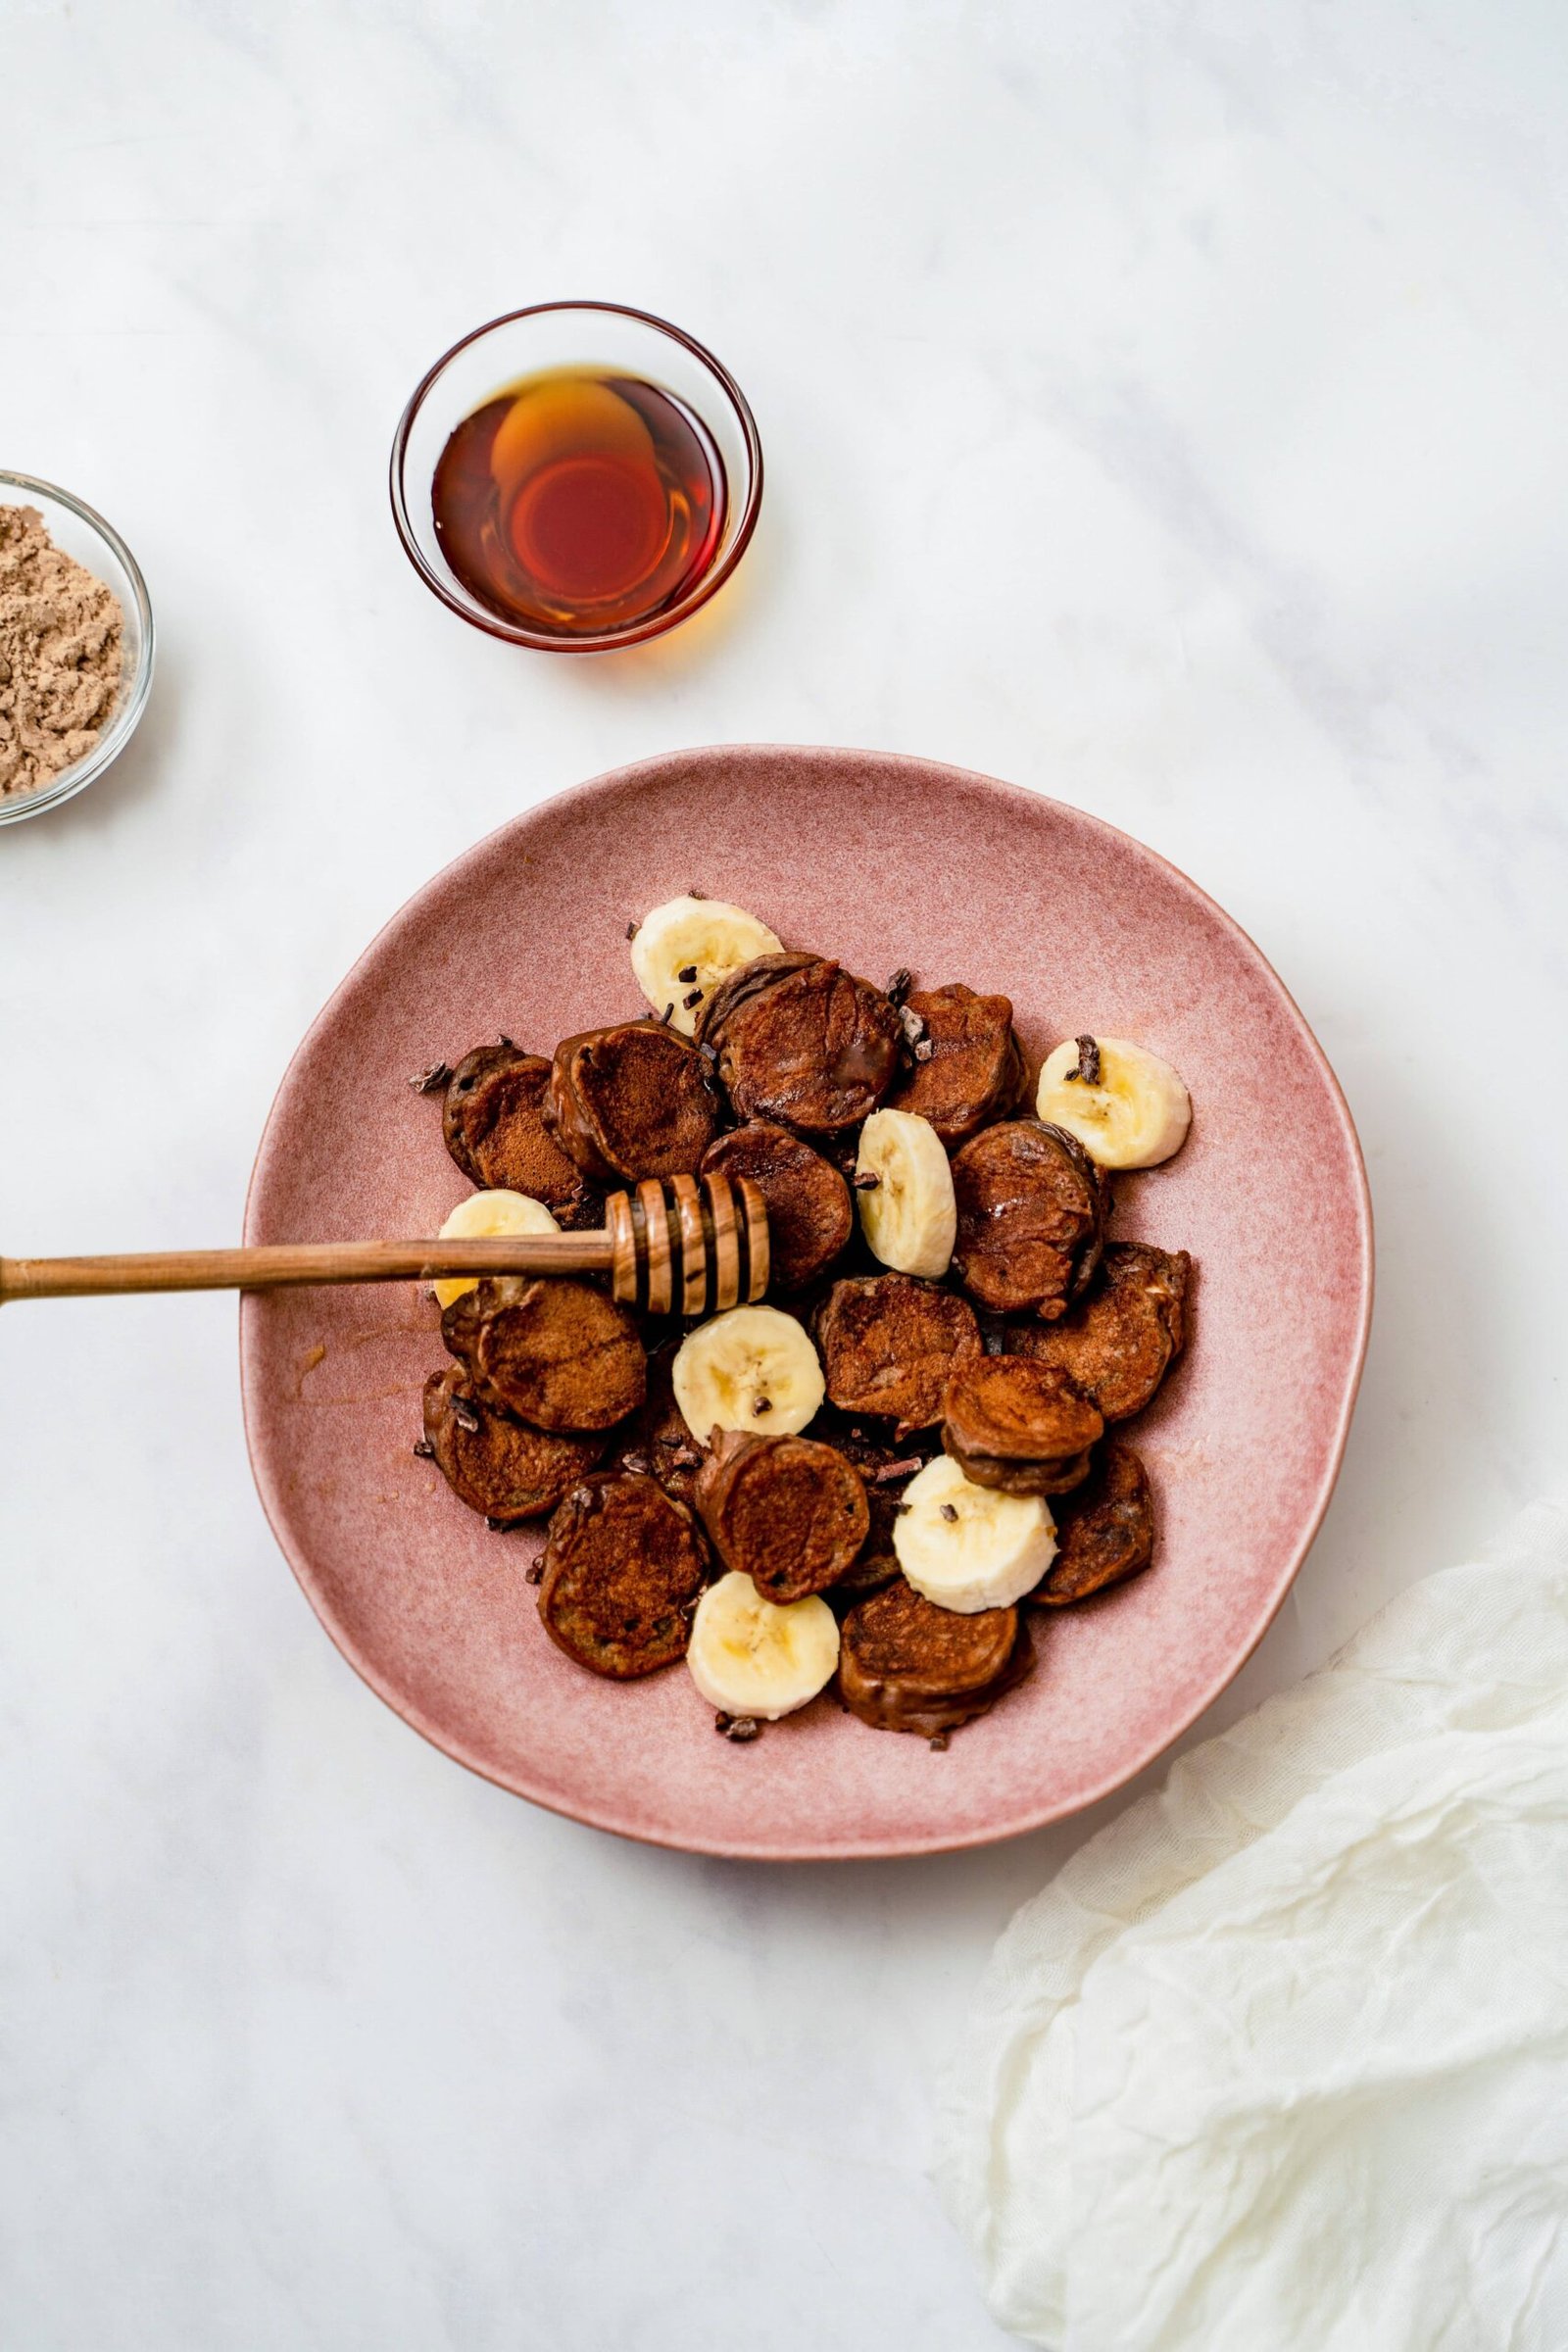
(1163, 407)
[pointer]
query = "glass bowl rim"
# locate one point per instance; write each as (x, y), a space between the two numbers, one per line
(607, 640)
(124, 721)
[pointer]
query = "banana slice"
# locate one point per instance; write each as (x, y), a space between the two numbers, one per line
(753, 1656)
(752, 1369)
(683, 950)
(909, 1215)
(482, 1215)
(969, 1547)
(1132, 1114)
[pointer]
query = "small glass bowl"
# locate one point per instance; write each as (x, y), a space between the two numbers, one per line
(572, 334)
(85, 535)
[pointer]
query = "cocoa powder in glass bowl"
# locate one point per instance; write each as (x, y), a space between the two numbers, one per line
(76, 646)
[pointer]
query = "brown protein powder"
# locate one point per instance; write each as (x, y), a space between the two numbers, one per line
(61, 634)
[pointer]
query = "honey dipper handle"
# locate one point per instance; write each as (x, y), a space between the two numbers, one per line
(274, 1266)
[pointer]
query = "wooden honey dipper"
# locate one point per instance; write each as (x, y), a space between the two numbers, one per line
(668, 1245)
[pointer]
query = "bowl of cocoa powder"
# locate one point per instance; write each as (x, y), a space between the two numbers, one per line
(76, 646)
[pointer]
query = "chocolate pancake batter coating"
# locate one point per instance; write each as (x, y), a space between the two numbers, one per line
(1031, 1218)
(802, 1041)
(787, 1512)
(1104, 1531)
(1118, 1345)
(494, 1463)
(888, 1345)
(558, 1353)
(904, 1665)
(1021, 1426)
(809, 1213)
(493, 1119)
(632, 1102)
(975, 1072)
(623, 1564)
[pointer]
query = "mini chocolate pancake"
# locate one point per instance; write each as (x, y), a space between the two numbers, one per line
(975, 1070)
(493, 1119)
(904, 1665)
(493, 1462)
(463, 1085)
(1021, 1426)
(658, 1442)
(888, 1345)
(558, 1353)
(785, 1511)
(622, 1565)
(632, 1102)
(801, 1040)
(1031, 1218)
(1105, 1531)
(1118, 1345)
(809, 1213)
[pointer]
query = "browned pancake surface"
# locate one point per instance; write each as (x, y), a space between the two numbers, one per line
(559, 1354)
(632, 1102)
(789, 1513)
(622, 1565)
(904, 1665)
(1117, 1345)
(1031, 1216)
(975, 1072)
(1105, 1531)
(465, 1083)
(802, 1041)
(809, 1213)
(493, 1462)
(1011, 1423)
(888, 1345)
(1022, 1410)
(493, 1119)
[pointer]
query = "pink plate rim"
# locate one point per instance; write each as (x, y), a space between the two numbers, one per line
(1029, 1817)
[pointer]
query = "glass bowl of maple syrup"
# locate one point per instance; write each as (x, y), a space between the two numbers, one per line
(576, 476)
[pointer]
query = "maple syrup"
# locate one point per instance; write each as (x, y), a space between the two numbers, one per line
(578, 501)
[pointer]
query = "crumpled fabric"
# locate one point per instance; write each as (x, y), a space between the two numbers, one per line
(1279, 2062)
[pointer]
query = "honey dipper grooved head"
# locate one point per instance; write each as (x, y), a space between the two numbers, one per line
(684, 1246)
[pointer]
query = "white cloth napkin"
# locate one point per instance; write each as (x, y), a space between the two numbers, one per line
(1278, 2063)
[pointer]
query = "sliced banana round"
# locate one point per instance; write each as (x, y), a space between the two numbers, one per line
(909, 1215)
(969, 1547)
(683, 949)
(753, 1369)
(1131, 1112)
(753, 1656)
(481, 1216)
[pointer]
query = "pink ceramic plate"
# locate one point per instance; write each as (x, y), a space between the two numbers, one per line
(881, 862)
